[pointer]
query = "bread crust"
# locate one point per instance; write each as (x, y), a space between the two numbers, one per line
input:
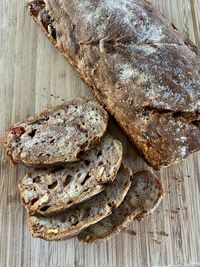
(76, 219)
(52, 190)
(138, 66)
(138, 204)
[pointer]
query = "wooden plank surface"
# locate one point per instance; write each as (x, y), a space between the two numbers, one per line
(34, 75)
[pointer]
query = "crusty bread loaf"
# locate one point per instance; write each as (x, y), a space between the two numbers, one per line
(58, 134)
(142, 199)
(75, 219)
(52, 190)
(137, 64)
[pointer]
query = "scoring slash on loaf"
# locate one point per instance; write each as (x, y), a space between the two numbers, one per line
(142, 199)
(75, 219)
(52, 190)
(138, 65)
(57, 135)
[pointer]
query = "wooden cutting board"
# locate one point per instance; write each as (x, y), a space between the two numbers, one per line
(34, 75)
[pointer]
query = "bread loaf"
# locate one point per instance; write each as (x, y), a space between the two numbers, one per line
(58, 134)
(138, 65)
(75, 219)
(52, 190)
(142, 199)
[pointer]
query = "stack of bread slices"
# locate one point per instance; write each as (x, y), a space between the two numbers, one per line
(78, 183)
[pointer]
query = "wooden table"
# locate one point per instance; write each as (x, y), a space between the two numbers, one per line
(34, 75)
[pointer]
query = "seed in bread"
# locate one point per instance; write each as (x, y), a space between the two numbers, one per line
(58, 134)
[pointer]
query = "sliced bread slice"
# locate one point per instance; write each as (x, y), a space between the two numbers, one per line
(58, 134)
(75, 219)
(52, 190)
(142, 199)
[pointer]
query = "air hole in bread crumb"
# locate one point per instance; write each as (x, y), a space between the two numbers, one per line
(36, 179)
(196, 123)
(52, 140)
(111, 205)
(45, 208)
(32, 134)
(53, 185)
(100, 163)
(75, 223)
(87, 162)
(85, 179)
(83, 145)
(67, 180)
(34, 199)
(99, 153)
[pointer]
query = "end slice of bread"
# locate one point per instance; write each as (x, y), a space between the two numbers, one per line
(142, 199)
(77, 218)
(52, 190)
(58, 134)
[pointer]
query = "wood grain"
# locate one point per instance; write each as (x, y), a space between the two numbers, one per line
(33, 76)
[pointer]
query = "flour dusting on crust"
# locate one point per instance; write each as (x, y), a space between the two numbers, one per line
(140, 67)
(123, 12)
